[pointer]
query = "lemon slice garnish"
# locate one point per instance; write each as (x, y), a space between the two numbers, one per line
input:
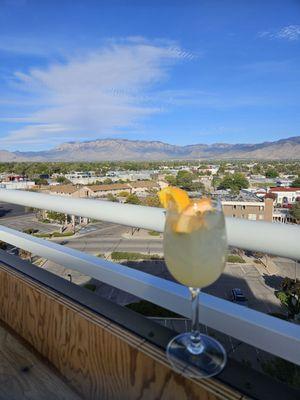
(174, 197)
(192, 217)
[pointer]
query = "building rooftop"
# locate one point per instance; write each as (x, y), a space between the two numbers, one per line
(284, 189)
(242, 196)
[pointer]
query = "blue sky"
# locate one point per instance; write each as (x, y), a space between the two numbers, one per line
(177, 71)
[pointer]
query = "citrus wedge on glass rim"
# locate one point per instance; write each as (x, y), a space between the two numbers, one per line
(172, 197)
(192, 217)
(190, 212)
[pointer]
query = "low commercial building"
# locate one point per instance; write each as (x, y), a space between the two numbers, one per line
(104, 190)
(68, 190)
(251, 210)
(283, 215)
(98, 191)
(17, 185)
(285, 195)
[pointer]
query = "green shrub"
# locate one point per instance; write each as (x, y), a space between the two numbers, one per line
(153, 233)
(53, 234)
(42, 235)
(124, 255)
(58, 234)
(30, 231)
(234, 258)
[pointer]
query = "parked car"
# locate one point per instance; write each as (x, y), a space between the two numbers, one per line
(238, 296)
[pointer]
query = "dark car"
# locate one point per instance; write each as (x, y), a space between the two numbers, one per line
(238, 296)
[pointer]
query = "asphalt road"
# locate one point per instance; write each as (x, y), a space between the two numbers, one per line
(108, 238)
(11, 210)
(103, 237)
(26, 221)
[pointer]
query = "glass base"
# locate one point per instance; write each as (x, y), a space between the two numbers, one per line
(209, 362)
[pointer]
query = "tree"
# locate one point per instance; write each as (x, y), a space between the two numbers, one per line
(295, 211)
(107, 181)
(41, 181)
(289, 296)
(56, 216)
(216, 180)
(124, 193)
(111, 197)
(152, 201)
(184, 179)
(171, 179)
(256, 169)
(133, 199)
(62, 179)
(221, 169)
(271, 173)
(296, 182)
(198, 186)
(234, 182)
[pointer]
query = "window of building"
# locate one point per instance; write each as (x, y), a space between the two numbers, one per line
(234, 207)
(244, 207)
(233, 215)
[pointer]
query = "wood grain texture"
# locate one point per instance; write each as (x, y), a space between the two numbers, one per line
(99, 359)
(24, 375)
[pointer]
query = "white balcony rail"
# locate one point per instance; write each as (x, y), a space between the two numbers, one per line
(279, 239)
(271, 334)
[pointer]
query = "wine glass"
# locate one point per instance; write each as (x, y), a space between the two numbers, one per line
(195, 249)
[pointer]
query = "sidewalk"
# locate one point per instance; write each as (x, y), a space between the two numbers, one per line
(264, 267)
(141, 234)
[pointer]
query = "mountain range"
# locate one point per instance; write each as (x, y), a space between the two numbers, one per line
(124, 149)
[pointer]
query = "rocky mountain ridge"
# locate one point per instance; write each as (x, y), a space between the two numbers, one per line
(124, 149)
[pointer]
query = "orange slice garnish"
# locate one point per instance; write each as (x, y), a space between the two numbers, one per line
(192, 217)
(174, 197)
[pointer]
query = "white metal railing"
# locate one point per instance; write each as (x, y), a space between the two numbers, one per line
(282, 240)
(271, 334)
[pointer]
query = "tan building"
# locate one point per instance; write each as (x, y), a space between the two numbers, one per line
(252, 210)
(97, 191)
(68, 190)
(138, 187)
(104, 190)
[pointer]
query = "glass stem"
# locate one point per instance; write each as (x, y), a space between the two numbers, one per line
(195, 346)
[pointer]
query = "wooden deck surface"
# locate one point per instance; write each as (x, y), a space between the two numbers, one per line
(98, 357)
(24, 375)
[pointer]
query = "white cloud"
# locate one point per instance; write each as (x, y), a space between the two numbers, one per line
(290, 32)
(93, 95)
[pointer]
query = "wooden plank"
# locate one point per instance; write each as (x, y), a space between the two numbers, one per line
(24, 375)
(100, 359)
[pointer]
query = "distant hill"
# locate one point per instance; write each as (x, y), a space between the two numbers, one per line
(123, 149)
